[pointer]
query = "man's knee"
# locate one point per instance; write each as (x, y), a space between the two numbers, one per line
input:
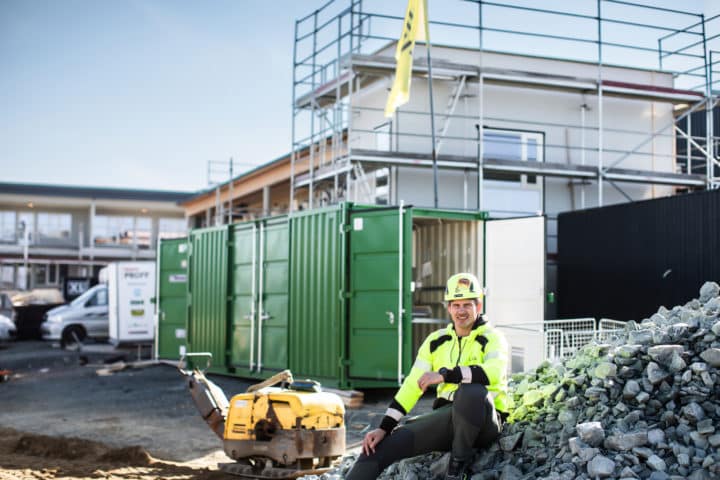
(469, 395)
(472, 402)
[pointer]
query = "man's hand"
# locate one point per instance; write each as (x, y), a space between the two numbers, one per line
(371, 440)
(429, 378)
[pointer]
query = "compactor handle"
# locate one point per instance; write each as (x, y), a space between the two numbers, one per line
(391, 317)
(181, 363)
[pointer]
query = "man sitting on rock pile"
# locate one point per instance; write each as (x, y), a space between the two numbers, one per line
(468, 361)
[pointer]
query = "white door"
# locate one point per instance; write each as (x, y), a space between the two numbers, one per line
(515, 270)
(515, 285)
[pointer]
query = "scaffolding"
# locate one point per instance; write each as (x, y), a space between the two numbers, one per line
(344, 49)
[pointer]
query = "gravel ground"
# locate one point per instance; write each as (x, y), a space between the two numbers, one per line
(51, 395)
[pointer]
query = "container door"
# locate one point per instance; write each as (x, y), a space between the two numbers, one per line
(379, 272)
(172, 298)
(243, 325)
(208, 292)
(515, 270)
(273, 285)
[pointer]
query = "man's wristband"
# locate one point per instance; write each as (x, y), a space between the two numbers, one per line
(451, 376)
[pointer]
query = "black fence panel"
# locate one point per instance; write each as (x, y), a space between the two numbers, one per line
(624, 261)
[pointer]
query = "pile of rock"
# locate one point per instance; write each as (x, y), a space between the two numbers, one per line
(642, 405)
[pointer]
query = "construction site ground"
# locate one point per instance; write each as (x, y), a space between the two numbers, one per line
(60, 419)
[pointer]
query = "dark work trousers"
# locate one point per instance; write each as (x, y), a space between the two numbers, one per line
(468, 423)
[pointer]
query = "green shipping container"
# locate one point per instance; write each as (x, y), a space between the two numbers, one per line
(343, 294)
(172, 298)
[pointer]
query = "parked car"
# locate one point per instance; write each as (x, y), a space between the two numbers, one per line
(6, 306)
(84, 317)
(7, 329)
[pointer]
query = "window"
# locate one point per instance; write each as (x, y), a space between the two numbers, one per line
(54, 228)
(26, 225)
(39, 275)
(8, 227)
(172, 227)
(112, 230)
(98, 300)
(143, 232)
(512, 145)
(382, 186)
(383, 137)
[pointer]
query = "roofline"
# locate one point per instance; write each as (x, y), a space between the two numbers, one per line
(92, 192)
(286, 157)
(208, 190)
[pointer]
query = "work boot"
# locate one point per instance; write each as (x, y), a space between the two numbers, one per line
(457, 470)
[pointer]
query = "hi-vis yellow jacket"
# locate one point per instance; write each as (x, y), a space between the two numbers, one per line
(480, 357)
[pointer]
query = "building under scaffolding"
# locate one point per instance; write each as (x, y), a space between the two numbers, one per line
(537, 111)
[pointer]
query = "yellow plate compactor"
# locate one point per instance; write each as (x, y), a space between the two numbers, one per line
(272, 432)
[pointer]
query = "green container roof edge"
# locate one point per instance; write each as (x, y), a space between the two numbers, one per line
(417, 212)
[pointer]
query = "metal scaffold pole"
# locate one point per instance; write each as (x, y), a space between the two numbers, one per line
(600, 105)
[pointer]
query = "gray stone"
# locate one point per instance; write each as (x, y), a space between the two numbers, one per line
(663, 353)
(605, 370)
(699, 475)
(643, 452)
(656, 436)
(626, 441)
(576, 445)
(510, 442)
(655, 374)
(587, 454)
(699, 367)
(693, 412)
(683, 459)
(591, 433)
(628, 351)
(631, 389)
(659, 476)
(705, 427)
(642, 397)
(711, 356)
(440, 466)
(716, 328)
(708, 291)
(641, 337)
(600, 466)
(509, 472)
(713, 304)
(678, 331)
(698, 439)
(714, 440)
(656, 463)
(567, 417)
(627, 472)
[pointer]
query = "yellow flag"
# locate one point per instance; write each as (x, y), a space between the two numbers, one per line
(414, 28)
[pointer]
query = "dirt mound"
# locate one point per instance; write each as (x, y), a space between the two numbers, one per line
(128, 456)
(63, 448)
(25, 456)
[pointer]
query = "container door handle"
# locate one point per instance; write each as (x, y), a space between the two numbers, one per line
(265, 316)
(391, 317)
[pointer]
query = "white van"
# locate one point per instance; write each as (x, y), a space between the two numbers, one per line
(84, 317)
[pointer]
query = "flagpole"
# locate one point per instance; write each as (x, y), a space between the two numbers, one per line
(432, 121)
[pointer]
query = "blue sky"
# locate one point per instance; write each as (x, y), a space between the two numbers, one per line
(142, 93)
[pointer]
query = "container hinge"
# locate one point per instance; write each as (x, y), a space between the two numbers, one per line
(345, 228)
(345, 295)
(344, 362)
